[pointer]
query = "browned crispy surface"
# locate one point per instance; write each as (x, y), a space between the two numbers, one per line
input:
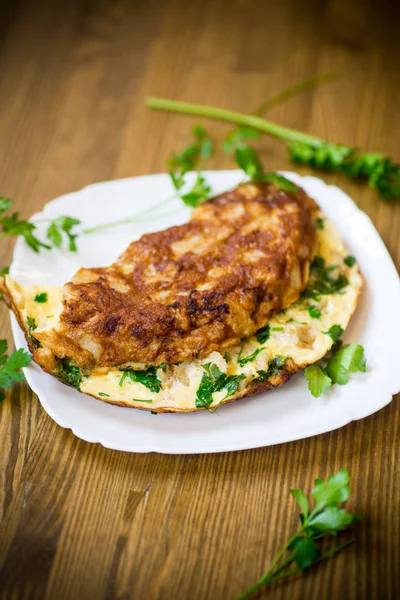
(184, 292)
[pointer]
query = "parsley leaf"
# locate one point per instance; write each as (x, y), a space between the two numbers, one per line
(275, 365)
(238, 136)
(243, 361)
(12, 225)
(249, 161)
(4, 271)
(320, 223)
(214, 380)
(334, 491)
(69, 373)
(5, 205)
(148, 378)
(263, 334)
(306, 551)
(199, 192)
(350, 261)
(335, 332)
(301, 500)
(314, 312)
(342, 362)
(30, 321)
(10, 366)
(41, 298)
(322, 281)
(62, 225)
(348, 359)
(318, 379)
(187, 160)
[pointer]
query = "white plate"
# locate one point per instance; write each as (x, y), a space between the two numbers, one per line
(282, 415)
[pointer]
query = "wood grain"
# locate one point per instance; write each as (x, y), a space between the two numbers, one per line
(77, 520)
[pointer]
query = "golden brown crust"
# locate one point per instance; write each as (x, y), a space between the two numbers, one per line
(182, 293)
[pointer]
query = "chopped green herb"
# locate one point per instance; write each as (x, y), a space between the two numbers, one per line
(277, 328)
(30, 321)
(10, 366)
(147, 378)
(227, 356)
(103, 395)
(350, 261)
(322, 282)
(263, 334)
(275, 365)
(298, 322)
(320, 223)
(250, 358)
(69, 373)
(318, 379)
(123, 377)
(141, 400)
(335, 332)
(163, 366)
(214, 380)
(153, 412)
(41, 298)
(314, 312)
(4, 271)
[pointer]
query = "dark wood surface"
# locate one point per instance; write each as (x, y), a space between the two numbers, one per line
(77, 520)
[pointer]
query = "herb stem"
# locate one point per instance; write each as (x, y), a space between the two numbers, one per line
(142, 216)
(221, 114)
(269, 576)
(266, 577)
(292, 91)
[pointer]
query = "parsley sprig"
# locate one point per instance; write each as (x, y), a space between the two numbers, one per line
(10, 366)
(336, 368)
(187, 160)
(327, 518)
(11, 224)
(380, 172)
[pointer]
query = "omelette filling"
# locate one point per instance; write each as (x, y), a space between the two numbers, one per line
(292, 339)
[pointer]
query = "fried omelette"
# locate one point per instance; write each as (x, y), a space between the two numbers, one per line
(288, 341)
(182, 293)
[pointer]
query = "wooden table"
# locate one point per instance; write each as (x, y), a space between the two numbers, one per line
(80, 521)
